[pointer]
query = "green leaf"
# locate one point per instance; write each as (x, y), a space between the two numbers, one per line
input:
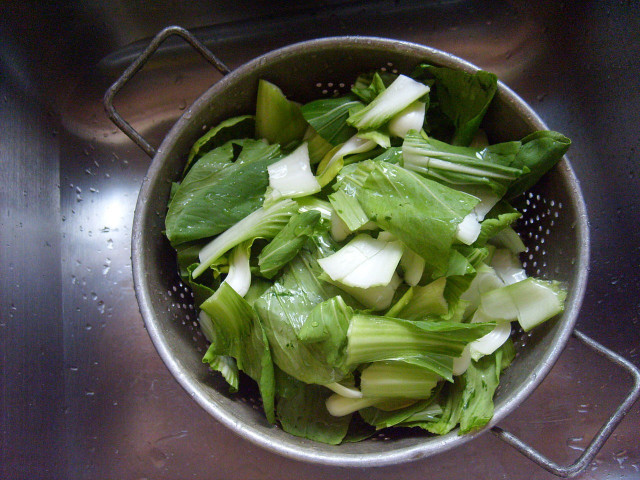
(288, 242)
(379, 137)
(450, 400)
(461, 272)
(374, 338)
(278, 120)
(480, 382)
(187, 255)
(494, 166)
(439, 364)
(390, 155)
(284, 309)
(326, 328)
(233, 128)
(539, 153)
(369, 85)
(203, 288)
(532, 301)
(328, 116)
(239, 334)
(348, 209)
(464, 98)
(301, 411)
(262, 223)
(499, 217)
(423, 214)
(384, 419)
(217, 193)
(224, 364)
(427, 300)
(318, 146)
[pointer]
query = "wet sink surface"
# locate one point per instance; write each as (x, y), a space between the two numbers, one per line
(84, 393)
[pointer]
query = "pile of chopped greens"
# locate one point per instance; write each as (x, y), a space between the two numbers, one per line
(355, 255)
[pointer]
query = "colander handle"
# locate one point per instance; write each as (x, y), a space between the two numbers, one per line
(603, 434)
(137, 64)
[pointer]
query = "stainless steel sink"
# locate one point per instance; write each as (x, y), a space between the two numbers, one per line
(84, 393)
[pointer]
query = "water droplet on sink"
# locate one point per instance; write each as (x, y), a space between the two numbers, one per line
(576, 443)
(584, 408)
(158, 457)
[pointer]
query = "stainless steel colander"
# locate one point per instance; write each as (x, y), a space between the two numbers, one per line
(554, 226)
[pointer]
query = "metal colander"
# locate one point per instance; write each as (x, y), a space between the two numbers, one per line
(554, 227)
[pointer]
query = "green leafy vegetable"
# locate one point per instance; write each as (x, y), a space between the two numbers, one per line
(420, 212)
(400, 94)
(284, 309)
(383, 295)
(530, 301)
(218, 192)
(494, 166)
(328, 116)
(540, 151)
(301, 411)
(368, 86)
(498, 219)
(349, 210)
(464, 98)
(406, 415)
(224, 364)
(231, 129)
(278, 120)
(373, 338)
(426, 301)
(262, 223)
(239, 334)
(397, 379)
(480, 383)
(288, 242)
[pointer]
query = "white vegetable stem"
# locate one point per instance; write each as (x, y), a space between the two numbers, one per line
(413, 267)
(339, 406)
(206, 325)
(347, 392)
(411, 118)
(491, 341)
(469, 229)
(291, 177)
(485, 280)
(364, 262)
(400, 94)
(339, 229)
(530, 301)
(376, 298)
(461, 363)
(354, 145)
(239, 276)
(508, 266)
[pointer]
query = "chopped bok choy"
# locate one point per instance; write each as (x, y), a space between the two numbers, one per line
(356, 256)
